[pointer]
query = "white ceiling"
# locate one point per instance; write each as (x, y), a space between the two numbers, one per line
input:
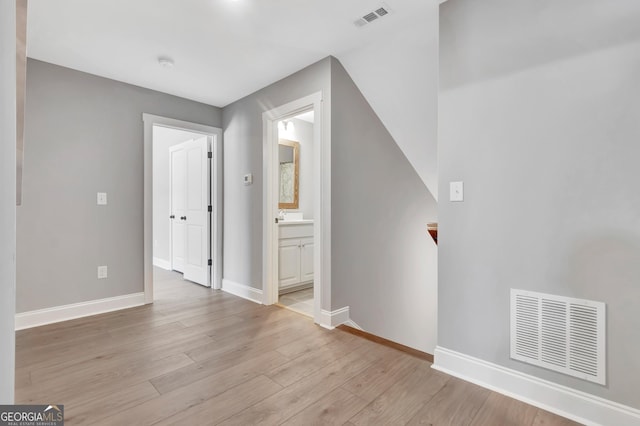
(223, 49)
(227, 49)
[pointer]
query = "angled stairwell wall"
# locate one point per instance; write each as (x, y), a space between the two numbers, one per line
(384, 263)
(398, 76)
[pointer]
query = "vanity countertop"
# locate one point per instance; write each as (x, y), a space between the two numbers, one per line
(294, 222)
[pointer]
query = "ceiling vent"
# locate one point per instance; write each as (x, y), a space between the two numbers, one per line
(559, 333)
(372, 16)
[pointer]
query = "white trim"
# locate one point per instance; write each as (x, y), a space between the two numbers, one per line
(161, 263)
(332, 319)
(321, 199)
(77, 310)
(216, 216)
(151, 120)
(7, 198)
(573, 404)
(352, 324)
(242, 290)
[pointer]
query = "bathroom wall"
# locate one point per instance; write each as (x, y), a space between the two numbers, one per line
(163, 139)
(302, 132)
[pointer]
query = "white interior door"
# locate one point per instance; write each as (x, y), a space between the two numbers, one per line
(177, 168)
(197, 196)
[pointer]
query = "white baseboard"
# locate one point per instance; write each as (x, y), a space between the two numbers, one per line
(573, 404)
(161, 263)
(332, 319)
(242, 290)
(352, 324)
(77, 310)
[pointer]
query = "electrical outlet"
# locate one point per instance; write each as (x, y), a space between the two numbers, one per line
(248, 179)
(102, 198)
(102, 272)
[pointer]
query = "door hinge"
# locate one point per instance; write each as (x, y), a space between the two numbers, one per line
(210, 262)
(210, 209)
(210, 154)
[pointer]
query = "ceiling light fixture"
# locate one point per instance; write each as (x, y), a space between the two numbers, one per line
(166, 62)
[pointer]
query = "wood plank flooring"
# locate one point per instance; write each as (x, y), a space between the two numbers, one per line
(205, 357)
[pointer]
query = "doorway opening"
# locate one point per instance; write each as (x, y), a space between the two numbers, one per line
(295, 213)
(182, 230)
(297, 208)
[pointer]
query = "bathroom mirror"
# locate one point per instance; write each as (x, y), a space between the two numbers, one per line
(289, 158)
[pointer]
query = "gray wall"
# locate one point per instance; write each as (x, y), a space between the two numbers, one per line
(163, 139)
(7, 198)
(539, 118)
(243, 209)
(302, 132)
(84, 134)
(384, 263)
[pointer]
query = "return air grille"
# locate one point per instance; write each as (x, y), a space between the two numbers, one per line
(559, 333)
(372, 16)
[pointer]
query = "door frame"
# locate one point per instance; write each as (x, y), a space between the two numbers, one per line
(150, 120)
(321, 200)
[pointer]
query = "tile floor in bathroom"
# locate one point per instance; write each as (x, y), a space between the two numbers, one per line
(300, 301)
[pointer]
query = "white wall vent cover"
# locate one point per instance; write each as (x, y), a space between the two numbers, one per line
(559, 333)
(372, 16)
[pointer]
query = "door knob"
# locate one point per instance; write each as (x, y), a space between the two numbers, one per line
(183, 218)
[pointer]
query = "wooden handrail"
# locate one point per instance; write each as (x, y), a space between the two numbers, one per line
(433, 231)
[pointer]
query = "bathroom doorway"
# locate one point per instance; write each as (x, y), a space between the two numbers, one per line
(297, 237)
(295, 213)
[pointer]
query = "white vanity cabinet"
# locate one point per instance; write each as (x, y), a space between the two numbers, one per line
(295, 254)
(306, 259)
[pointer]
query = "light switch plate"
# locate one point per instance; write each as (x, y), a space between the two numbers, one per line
(456, 191)
(102, 198)
(102, 272)
(248, 179)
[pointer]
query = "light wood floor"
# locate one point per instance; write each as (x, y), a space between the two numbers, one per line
(199, 357)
